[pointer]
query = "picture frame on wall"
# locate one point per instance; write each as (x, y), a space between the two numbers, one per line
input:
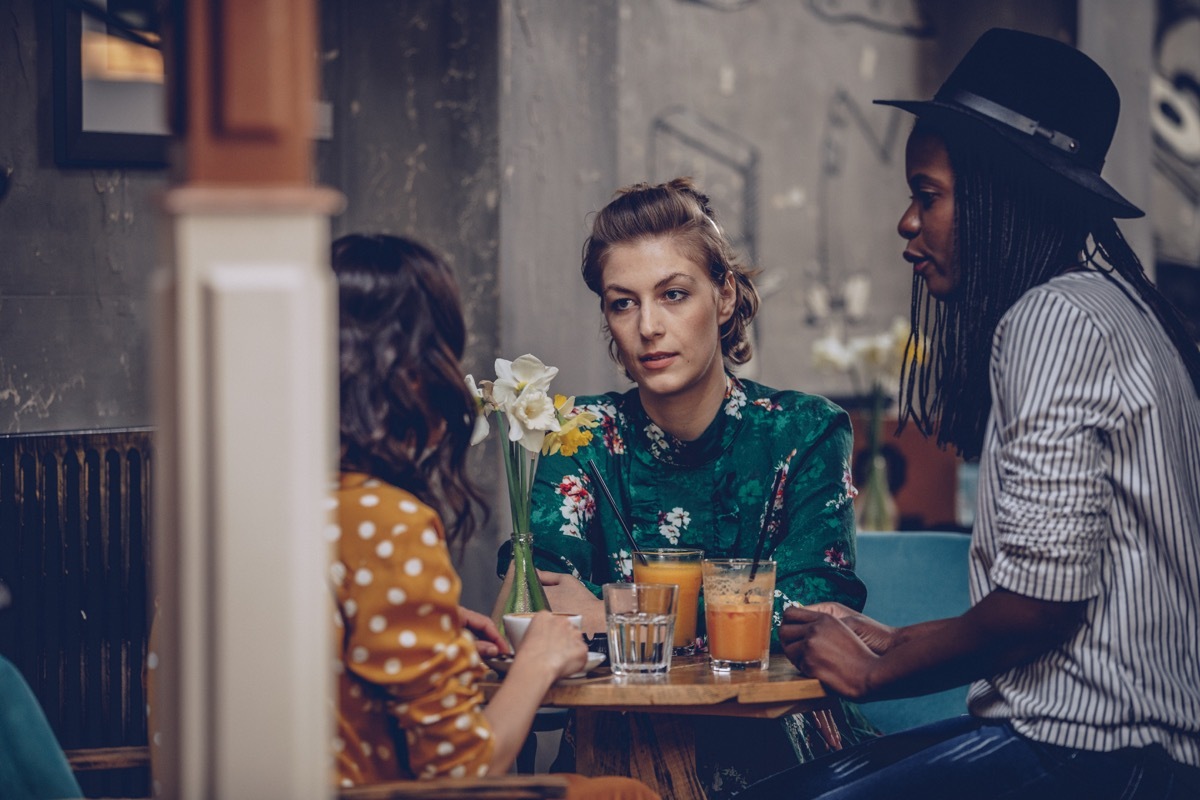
(110, 95)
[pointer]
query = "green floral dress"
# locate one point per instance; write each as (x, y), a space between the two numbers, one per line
(712, 494)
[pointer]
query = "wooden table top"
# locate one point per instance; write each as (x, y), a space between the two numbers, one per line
(691, 687)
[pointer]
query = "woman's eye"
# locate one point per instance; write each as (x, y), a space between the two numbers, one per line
(675, 295)
(620, 304)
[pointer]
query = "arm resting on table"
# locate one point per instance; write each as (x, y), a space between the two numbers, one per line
(863, 660)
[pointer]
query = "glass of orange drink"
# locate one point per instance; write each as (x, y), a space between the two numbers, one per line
(737, 612)
(681, 568)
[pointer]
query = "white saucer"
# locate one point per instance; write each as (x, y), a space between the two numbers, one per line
(594, 660)
(501, 664)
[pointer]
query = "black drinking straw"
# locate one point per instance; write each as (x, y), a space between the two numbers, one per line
(768, 518)
(616, 511)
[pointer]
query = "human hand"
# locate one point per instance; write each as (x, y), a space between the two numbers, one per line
(554, 644)
(875, 635)
(567, 593)
(824, 647)
(488, 641)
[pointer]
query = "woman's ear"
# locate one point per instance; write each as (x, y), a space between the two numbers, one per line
(726, 298)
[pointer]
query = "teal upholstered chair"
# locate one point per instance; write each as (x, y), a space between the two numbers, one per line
(32, 764)
(914, 576)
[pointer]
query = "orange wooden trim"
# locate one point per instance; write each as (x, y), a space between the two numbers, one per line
(226, 138)
(216, 199)
(501, 787)
(95, 758)
(252, 75)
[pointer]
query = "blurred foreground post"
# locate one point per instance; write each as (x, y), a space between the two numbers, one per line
(243, 371)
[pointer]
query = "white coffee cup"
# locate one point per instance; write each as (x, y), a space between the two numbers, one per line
(515, 625)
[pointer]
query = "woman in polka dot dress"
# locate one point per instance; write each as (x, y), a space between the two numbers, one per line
(408, 658)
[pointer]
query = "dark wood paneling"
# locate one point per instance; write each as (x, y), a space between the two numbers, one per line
(74, 550)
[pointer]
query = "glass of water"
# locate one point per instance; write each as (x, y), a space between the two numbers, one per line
(641, 626)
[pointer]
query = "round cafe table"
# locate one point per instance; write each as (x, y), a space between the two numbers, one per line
(651, 739)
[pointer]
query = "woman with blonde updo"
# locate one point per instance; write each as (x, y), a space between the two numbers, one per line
(692, 454)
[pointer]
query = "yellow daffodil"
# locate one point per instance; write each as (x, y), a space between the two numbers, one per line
(572, 430)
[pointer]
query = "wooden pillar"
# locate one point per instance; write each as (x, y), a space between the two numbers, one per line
(244, 348)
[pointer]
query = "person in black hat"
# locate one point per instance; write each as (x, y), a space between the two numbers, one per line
(1050, 356)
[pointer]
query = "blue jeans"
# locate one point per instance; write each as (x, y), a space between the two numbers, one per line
(966, 757)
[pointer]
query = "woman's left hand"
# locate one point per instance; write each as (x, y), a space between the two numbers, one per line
(488, 640)
(567, 593)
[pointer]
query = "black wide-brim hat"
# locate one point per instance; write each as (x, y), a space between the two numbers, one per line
(1044, 97)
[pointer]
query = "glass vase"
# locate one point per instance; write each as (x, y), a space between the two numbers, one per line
(876, 508)
(526, 594)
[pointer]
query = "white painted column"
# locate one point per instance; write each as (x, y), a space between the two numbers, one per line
(245, 382)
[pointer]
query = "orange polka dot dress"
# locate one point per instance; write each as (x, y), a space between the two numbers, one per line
(408, 703)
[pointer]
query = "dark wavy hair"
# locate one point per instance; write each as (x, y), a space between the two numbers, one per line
(406, 412)
(1016, 227)
(679, 211)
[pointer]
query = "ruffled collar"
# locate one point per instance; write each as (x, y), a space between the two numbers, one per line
(660, 446)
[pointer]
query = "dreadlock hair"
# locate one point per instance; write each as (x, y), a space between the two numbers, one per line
(406, 413)
(679, 211)
(1015, 227)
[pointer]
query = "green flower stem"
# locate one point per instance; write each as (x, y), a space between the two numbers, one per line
(876, 515)
(876, 418)
(520, 465)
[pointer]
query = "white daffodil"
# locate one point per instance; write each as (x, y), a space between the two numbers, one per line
(530, 414)
(880, 356)
(830, 352)
(514, 377)
(481, 429)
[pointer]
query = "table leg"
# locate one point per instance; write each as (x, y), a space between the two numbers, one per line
(657, 749)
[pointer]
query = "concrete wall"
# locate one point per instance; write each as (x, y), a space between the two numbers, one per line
(78, 246)
(414, 89)
(559, 75)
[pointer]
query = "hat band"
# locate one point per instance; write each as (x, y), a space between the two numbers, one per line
(1015, 120)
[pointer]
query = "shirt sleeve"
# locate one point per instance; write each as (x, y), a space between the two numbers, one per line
(1053, 400)
(815, 557)
(399, 601)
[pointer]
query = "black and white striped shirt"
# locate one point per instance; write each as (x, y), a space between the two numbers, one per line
(1089, 489)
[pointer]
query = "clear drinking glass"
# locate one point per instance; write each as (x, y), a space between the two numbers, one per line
(737, 613)
(641, 626)
(682, 568)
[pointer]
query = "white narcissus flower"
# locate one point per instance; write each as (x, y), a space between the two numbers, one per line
(880, 356)
(514, 377)
(530, 415)
(831, 352)
(855, 294)
(482, 429)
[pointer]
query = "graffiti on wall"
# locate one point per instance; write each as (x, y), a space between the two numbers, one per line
(890, 16)
(1175, 121)
(684, 142)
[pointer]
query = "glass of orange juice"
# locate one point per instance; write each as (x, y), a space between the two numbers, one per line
(737, 612)
(681, 568)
